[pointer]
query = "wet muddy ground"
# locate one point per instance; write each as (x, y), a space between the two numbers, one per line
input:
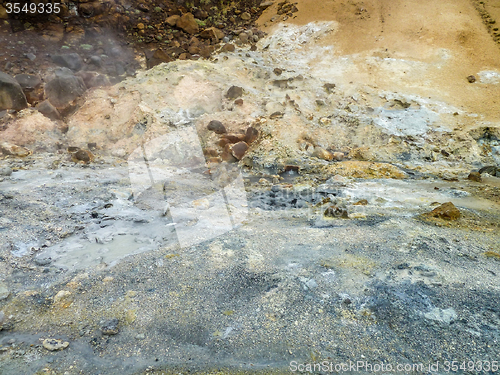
(287, 284)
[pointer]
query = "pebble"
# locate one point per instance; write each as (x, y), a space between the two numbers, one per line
(234, 92)
(140, 336)
(110, 327)
(216, 126)
(55, 344)
(239, 149)
(321, 153)
(5, 171)
(2, 319)
(4, 291)
(362, 202)
(471, 79)
(335, 211)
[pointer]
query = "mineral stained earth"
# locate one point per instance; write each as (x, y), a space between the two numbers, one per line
(320, 197)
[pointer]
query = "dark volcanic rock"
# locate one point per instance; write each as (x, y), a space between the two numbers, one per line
(11, 94)
(234, 92)
(216, 126)
(28, 81)
(64, 88)
(48, 110)
(72, 61)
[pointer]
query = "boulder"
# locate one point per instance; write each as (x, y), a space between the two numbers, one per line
(28, 81)
(11, 94)
(64, 87)
(72, 61)
(188, 23)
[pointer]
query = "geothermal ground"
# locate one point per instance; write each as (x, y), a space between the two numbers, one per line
(329, 194)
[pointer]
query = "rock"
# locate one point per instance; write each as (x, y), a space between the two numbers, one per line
(212, 33)
(42, 261)
(266, 4)
(474, 176)
(491, 169)
(243, 37)
(446, 211)
(234, 92)
(239, 149)
(245, 16)
(28, 81)
(95, 60)
(110, 327)
(187, 22)
(277, 71)
(72, 61)
(48, 110)
(140, 336)
(14, 150)
(157, 57)
(216, 126)
(64, 88)
(471, 79)
(321, 153)
(445, 316)
(83, 155)
(251, 134)
(277, 114)
(238, 101)
(172, 20)
(228, 47)
(338, 156)
(335, 211)
(11, 94)
(5, 171)
(55, 344)
(4, 291)
(99, 80)
(2, 319)
(362, 202)
(63, 299)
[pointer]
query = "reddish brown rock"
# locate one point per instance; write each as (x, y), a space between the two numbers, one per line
(239, 149)
(83, 155)
(234, 138)
(238, 101)
(227, 155)
(212, 33)
(172, 20)
(251, 135)
(228, 47)
(447, 211)
(188, 23)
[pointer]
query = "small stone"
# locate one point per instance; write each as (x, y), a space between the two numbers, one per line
(216, 126)
(110, 327)
(172, 20)
(83, 155)
(243, 37)
(445, 316)
(234, 92)
(245, 16)
(446, 211)
(471, 79)
(212, 33)
(14, 150)
(4, 291)
(42, 261)
(338, 156)
(72, 61)
(277, 114)
(321, 153)
(63, 298)
(55, 344)
(277, 71)
(5, 171)
(334, 211)
(362, 202)
(239, 150)
(474, 176)
(238, 101)
(266, 4)
(2, 319)
(140, 26)
(48, 110)
(228, 47)
(140, 336)
(251, 134)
